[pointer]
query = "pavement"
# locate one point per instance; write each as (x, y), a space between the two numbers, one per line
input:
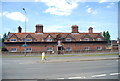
(76, 59)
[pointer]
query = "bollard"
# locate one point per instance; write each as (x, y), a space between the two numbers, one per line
(43, 56)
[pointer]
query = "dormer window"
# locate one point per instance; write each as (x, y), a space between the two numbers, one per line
(49, 40)
(28, 40)
(86, 39)
(13, 40)
(68, 39)
(99, 39)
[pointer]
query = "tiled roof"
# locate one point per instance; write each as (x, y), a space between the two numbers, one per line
(40, 36)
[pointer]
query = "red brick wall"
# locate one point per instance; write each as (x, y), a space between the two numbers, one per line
(44, 46)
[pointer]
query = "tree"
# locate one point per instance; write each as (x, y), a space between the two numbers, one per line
(107, 36)
(104, 34)
(4, 36)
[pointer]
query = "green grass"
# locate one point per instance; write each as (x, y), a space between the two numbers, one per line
(79, 55)
(98, 54)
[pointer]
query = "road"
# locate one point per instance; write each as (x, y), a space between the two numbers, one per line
(29, 68)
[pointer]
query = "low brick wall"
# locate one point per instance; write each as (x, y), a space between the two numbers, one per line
(59, 52)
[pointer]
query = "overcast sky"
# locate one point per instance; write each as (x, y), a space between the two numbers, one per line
(60, 15)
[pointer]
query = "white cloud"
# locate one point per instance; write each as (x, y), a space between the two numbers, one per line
(17, 16)
(91, 11)
(101, 1)
(110, 5)
(60, 7)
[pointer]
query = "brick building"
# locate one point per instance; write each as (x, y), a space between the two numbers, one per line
(42, 41)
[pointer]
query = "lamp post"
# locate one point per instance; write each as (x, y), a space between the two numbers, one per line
(25, 30)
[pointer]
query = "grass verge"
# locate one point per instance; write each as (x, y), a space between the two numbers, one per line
(79, 55)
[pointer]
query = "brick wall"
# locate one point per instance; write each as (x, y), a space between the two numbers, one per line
(44, 46)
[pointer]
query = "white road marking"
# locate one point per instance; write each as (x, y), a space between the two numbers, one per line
(114, 73)
(74, 77)
(99, 75)
(60, 78)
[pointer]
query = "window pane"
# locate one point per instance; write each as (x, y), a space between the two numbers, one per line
(28, 39)
(49, 49)
(99, 48)
(49, 39)
(68, 39)
(68, 49)
(86, 48)
(28, 49)
(13, 49)
(99, 39)
(86, 39)
(13, 40)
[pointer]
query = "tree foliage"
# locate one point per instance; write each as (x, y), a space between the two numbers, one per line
(107, 36)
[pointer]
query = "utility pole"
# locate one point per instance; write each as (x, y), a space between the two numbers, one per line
(25, 31)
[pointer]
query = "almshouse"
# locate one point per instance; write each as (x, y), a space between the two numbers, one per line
(42, 41)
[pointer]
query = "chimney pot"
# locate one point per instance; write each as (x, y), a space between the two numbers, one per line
(90, 30)
(75, 29)
(19, 29)
(39, 28)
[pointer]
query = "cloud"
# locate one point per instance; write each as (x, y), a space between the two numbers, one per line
(91, 11)
(60, 7)
(17, 16)
(101, 1)
(110, 5)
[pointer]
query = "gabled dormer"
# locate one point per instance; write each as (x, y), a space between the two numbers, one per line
(29, 38)
(69, 38)
(86, 37)
(49, 38)
(99, 37)
(13, 38)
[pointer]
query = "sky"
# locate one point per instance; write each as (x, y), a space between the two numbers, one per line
(60, 15)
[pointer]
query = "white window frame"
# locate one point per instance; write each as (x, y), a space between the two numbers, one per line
(49, 49)
(49, 40)
(28, 40)
(86, 39)
(28, 50)
(68, 49)
(13, 40)
(68, 39)
(99, 48)
(13, 50)
(99, 39)
(88, 48)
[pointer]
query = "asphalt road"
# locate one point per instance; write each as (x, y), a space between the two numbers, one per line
(29, 68)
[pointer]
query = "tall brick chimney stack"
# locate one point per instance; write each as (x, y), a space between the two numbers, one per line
(90, 30)
(39, 28)
(75, 29)
(19, 29)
